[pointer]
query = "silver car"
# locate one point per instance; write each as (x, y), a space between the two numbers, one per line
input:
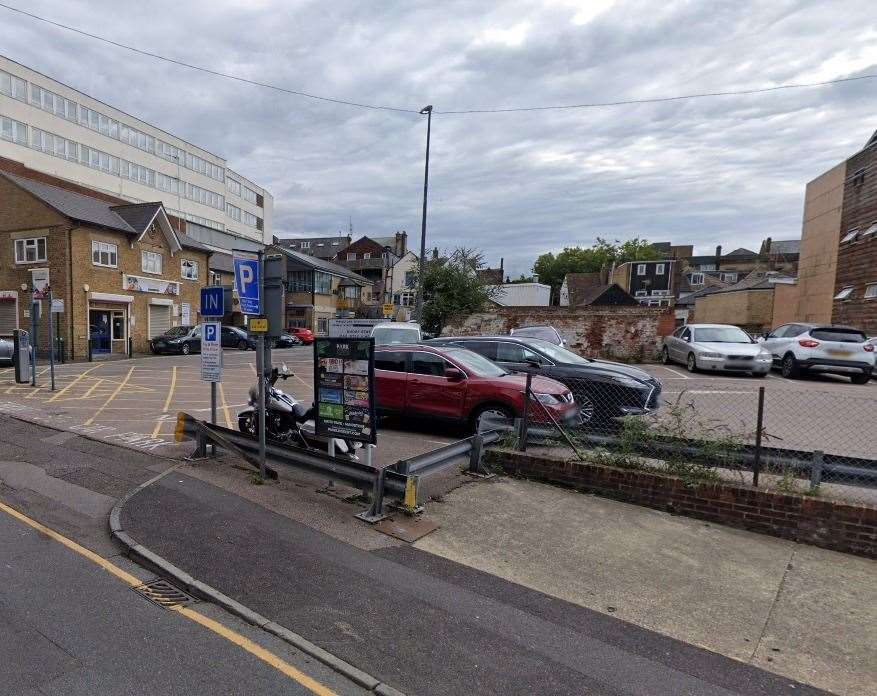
(5, 350)
(716, 347)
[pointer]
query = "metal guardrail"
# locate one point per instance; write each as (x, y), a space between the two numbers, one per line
(439, 458)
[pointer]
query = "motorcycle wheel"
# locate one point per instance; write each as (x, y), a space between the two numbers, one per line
(247, 425)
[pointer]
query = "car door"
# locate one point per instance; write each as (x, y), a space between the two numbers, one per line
(194, 339)
(230, 337)
(513, 357)
(429, 392)
(679, 351)
(777, 340)
(672, 342)
(390, 380)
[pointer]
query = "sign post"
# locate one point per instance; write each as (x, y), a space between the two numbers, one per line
(34, 314)
(51, 338)
(248, 281)
(213, 306)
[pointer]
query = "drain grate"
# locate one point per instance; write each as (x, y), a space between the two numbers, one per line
(162, 593)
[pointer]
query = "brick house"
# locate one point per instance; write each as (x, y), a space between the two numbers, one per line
(373, 259)
(120, 269)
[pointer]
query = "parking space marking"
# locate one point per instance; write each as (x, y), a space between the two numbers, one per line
(167, 401)
(225, 407)
(111, 397)
(73, 382)
(679, 375)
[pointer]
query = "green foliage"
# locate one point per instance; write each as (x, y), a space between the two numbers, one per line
(551, 269)
(450, 287)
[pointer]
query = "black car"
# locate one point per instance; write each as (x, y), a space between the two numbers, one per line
(233, 337)
(286, 340)
(603, 390)
(180, 339)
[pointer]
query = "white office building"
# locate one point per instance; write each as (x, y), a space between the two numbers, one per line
(52, 128)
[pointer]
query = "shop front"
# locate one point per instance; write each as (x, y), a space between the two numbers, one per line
(108, 323)
(8, 312)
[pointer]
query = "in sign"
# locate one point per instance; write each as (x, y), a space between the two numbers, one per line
(212, 301)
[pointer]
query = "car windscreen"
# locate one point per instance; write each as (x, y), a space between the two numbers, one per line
(395, 334)
(556, 353)
(476, 364)
(842, 335)
(543, 333)
(721, 334)
(178, 331)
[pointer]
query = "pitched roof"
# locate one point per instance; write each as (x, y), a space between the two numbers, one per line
(690, 298)
(138, 215)
(785, 246)
(490, 276)
(740, 252)
(759, 280)
(577, 284)
(323, 265)
(612, 294)
(322, 247)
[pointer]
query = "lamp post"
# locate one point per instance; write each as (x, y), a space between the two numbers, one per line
(418, 310)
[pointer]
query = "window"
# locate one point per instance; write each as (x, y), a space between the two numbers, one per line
(678, 332)
(188, 269)
(695, 279)
(850, 236)
(150, 262)
(104, 254)
(233, 211)
(871, 230)
(249, 219)
(844, 293)
(250, 195)
(30, 250)
(405, 299)
(641, 293)
(351, 256)
(54, 145)
(13, 131)
(299, 281)
(322, 283)
(511, 352)
(322, 326)
(13, 86)
(367, 255)
(729, 277)
(233, 186)
(641, 269)
(858, 177)
(166, 183)
(392, 362)
(686, 334)
(871, 291)
(428, 364)
(305, 245)
(409, 279)
(659, 269)
(707, 267)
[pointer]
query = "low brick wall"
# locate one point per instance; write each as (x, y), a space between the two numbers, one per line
(621, 333)
(826, 523)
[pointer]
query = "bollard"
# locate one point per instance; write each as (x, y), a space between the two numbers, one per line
(816, 469)
(475, 454)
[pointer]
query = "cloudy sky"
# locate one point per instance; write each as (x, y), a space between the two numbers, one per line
(725, 170)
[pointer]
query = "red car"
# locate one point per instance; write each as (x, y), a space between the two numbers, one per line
(456, 384)
(306, 336)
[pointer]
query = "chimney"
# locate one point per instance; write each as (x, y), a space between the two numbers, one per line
(718, 256)
(400, 243)
(435, 253)
(500, 264)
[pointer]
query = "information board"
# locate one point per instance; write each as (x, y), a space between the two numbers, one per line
(211, 351)
(352, 328)
(344, 375)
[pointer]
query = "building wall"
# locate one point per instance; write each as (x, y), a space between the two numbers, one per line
(26, 112)
(621, 333)
(820, 231)
(785, 304)
(751, 310)
(857, 260)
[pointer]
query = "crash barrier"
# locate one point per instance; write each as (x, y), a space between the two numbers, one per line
(399, 481)
(781, 439)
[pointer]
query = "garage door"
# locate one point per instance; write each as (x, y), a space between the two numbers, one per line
(8, 318)
(159, 320)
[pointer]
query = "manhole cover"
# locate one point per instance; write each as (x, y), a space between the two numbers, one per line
(164, 594)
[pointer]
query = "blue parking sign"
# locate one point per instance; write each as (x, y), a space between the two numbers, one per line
(212, 301)
(246, 280)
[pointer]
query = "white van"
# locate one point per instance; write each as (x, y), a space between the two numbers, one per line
(396, 332)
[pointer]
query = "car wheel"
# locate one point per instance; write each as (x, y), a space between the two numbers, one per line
(484, 415)
(860, 379)
(691, 363)
(242, 345)
(186, 349)
(665, 356)
(587, 409)
(789, 368)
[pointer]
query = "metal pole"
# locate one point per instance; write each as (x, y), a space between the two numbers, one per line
(525, 417)
(51, 338)
(34, 307)
(756, 464)
(213, 410)
(260, 369)
(418, 310)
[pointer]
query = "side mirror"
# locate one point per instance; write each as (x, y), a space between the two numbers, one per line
(760, 339)
(454, 375)
(687, 339)
(532, 362)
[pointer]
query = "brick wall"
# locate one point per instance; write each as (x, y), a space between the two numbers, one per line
(749, 309)
(829, 524)
(857, 261)
(621, 333)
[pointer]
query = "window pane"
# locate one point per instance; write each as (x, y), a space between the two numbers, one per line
(41, 248)
(394, 362)
(427, 364)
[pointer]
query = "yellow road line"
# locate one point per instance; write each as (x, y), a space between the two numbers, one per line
(167, 401)
(111, 397)
(72, 383)
(94, 386)
(253, 368)
(255, 649)
(251, 647)
(225, 412)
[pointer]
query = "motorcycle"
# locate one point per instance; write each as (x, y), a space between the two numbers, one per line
(289, 421)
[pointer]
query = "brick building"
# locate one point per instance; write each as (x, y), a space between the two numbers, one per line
(120, 269)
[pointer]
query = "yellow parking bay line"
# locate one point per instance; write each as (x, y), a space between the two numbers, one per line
(72, 383)
(225, 411)
(111, 397)
(231, 636)
(167, 401)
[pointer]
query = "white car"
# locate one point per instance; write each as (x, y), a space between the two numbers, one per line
(838, 350)
(396, 332)
(716, 347)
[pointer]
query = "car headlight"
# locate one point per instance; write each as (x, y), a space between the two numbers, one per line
(712, 356)
(764, 357)
(548, 399)
(631, 383)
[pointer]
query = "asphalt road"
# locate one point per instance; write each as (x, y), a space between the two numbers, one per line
(423, 624)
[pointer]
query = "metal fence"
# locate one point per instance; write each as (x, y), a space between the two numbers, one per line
(810, 439)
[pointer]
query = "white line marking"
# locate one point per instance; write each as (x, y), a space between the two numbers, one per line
(679, 375)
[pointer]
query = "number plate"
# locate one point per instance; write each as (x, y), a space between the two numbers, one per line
(842, 353)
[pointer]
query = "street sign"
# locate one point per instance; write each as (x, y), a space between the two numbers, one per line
(388, 310)
(57, 306)
(212, 301)
(258, 325)
(185, 314)
(344, 379)
(39, 279)
(352, 328)
(211, 351)
(246, 279)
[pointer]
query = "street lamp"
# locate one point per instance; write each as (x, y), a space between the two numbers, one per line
(418, 310)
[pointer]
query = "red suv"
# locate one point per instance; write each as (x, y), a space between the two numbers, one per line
(306, 336)
(459, 385)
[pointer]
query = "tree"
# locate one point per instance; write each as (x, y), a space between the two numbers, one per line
(451, 286)
(551, 269)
